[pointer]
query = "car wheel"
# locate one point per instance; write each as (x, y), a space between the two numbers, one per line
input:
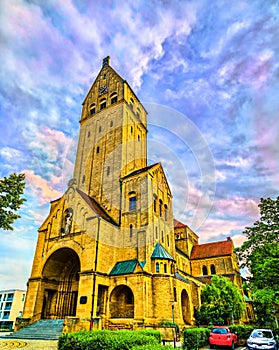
(232, 347)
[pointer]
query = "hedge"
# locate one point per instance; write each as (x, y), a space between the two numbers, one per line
(108, 340)
(195, 338)
(243, 332)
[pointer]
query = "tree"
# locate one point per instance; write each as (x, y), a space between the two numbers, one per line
(260, 255)
(221, 302)
(11, 190)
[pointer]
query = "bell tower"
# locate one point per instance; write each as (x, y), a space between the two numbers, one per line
(112, 140)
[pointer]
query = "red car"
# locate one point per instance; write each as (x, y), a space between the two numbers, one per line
(222, 336)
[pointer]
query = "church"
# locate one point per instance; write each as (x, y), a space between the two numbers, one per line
(110, 253)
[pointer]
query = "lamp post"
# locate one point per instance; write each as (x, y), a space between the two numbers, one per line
(94, 272)
(174, 329)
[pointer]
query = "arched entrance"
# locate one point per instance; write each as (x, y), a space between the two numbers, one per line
(121, 302)
(185, 305)
(60, 283)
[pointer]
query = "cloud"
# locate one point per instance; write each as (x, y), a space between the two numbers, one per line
(42, 189)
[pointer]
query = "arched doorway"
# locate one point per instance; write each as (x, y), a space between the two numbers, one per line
(185, 305)
(60, 283)
(122, 302)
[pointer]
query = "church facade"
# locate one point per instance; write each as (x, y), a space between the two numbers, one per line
(110, 251)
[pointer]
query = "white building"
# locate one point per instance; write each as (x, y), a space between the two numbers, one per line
(11, 307)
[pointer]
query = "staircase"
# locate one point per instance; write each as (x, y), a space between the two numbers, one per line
(43, 329)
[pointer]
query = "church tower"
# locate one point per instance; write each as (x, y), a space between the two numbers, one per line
(112, 141)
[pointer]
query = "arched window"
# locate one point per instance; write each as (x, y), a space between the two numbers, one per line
(108, 170)
(156, 231)
(165, 268)
(157, 267)
(131, 231)
(212, 270)
(97, 149)
(160, 207)
(131, 129)
(155, 203)
(83, 179)
(138, 138)
(92, 108)
(132, 201)
(113, 98)
(204, 270)
(111, 123)
(103, 103)
(162, 233)
(165, 212)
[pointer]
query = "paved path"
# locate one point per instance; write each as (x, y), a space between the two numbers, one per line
(27, 344)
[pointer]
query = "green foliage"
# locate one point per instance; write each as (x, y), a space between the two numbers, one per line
(243, 332)
(195, 338)
(260, 255)
(107, 340)
(170, 324)
(11, 189)
(220, 300)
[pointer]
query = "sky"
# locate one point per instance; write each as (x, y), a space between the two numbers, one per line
(207, 73)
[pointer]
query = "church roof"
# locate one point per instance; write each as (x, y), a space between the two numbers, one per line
(160, 252)
(177, 223)
(213, 249)
(96, 207)
(124, 267)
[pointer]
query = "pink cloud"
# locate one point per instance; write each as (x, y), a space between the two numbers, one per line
(237, 207)
(39, 218)
(213, 228)
(42, 189)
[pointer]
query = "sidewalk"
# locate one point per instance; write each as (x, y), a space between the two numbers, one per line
(27, 344)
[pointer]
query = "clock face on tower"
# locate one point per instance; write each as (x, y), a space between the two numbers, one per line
(103, 90)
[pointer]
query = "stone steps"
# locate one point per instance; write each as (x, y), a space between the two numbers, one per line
(41, 330)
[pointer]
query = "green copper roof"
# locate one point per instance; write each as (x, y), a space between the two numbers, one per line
(247, 298)
(160, 252)
(123, 267)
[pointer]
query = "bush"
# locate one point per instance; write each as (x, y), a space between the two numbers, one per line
(195, 338)
(243, 332)
(107, 340)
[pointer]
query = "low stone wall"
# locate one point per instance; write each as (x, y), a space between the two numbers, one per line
(75, 324)
(21, 323)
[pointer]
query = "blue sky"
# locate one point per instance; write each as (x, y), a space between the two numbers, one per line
(207, 72)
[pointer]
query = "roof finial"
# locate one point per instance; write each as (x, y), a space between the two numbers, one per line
(106, 61)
